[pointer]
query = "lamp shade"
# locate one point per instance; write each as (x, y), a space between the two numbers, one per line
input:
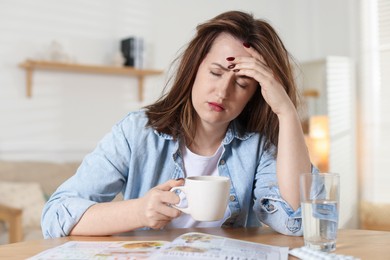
(318, 141)
(319, 126)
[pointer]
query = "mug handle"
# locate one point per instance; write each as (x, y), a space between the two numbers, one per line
(182, 189)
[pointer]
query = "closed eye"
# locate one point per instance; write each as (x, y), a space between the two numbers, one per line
(244, 81)
(215, 74)
(241, 85)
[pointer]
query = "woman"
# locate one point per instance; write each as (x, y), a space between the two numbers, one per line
(231, 111)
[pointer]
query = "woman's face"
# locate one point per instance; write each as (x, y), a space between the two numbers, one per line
(218, 94)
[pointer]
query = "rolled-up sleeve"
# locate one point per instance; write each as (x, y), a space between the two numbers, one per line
(270, 208)
(99, 178)
(67, 213)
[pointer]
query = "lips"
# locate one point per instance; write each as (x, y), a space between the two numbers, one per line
(216, 106)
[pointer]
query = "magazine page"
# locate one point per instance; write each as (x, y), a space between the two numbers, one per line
(204, 246)
(80, 250)
(187, 246)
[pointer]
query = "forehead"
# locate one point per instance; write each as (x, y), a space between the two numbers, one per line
(226, 45)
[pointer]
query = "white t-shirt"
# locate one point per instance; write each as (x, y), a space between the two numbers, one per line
(197, 165)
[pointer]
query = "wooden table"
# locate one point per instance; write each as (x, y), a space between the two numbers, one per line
(364, 244)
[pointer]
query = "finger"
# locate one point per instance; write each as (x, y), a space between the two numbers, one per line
(160, 212)
(158, 219)
(169, 197)
(260, 77)
(159, 223)
(156, 197)
(166, 186)
(255, 65)
(165, 214)
(169, 212)
(254, 54)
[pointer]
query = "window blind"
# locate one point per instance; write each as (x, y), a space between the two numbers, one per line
(383, 51)
(384, 56)
(376, 71)
(339, 95)
(384, 24)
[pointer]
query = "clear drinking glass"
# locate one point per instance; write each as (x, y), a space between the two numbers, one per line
(320, 196)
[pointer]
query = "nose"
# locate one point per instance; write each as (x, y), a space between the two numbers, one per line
(224, 88)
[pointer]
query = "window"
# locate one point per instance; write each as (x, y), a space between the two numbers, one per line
(374, 106)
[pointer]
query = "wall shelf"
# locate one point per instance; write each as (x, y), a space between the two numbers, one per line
(31, 65)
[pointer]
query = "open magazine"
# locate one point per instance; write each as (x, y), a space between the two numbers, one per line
(187, 246)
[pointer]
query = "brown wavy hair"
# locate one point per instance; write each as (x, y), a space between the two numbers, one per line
(174, 113)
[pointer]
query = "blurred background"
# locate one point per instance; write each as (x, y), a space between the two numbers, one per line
(341, 48)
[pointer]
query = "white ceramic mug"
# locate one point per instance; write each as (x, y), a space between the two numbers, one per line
(207, 197)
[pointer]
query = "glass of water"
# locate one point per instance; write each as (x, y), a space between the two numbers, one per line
(320, 196)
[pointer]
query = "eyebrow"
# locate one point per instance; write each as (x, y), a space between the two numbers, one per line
(226, 69)
(219, 65)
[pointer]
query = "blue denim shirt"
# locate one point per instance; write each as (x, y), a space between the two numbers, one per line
(133, 158)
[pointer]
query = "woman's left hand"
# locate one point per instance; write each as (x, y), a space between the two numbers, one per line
(272, 90)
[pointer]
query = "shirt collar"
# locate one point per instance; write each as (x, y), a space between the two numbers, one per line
(233, 131)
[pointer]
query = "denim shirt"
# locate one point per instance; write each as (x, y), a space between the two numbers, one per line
(133, 158)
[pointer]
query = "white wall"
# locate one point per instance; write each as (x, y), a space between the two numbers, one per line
(70, 112)
(310, 29)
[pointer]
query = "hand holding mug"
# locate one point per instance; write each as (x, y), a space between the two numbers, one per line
(207, 197)
(154, 210)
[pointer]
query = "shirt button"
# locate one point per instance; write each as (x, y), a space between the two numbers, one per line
(232, 198)
(271, 207)
(222, 162)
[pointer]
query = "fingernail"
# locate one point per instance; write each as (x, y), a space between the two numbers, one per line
(230, 58)
(236, 70)
(231, 66)
(246, 45)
